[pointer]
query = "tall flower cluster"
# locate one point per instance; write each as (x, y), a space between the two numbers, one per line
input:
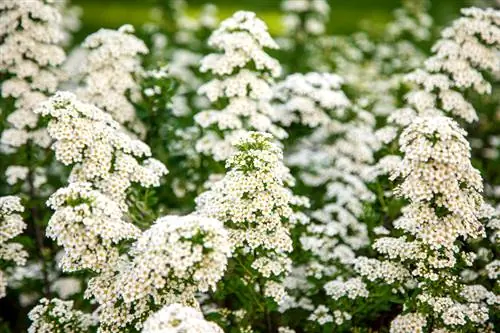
(11, 225)
(445, 209)
(56, 316)
(102, 154)
(177, 318)
(467, 48)
(30, 34)
(170, 262)
(111, 72)
(255, 205)
(243, 75)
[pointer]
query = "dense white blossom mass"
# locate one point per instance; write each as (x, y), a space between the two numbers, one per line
(255, 205)
(111, 72)
(103, 155)
(30, 55)
(243, 75)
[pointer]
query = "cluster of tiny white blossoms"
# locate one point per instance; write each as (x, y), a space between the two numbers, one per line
(308, 99)
(467, 48)
(102, 153)
(445, 206)
(29, 56)
(89, 226)
(177, 318)
(11, 225)
(255, 205)
(57, 316)
(242, 38)
(111, 71)
(175, 258)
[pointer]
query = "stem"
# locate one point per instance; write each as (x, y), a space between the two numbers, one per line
(39, 235)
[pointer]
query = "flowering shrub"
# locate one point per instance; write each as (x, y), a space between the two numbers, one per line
(315, 182)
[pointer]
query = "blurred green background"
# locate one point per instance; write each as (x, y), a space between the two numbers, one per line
(346, 16)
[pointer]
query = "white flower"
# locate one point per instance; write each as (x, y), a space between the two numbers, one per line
(177, 318)
(58, 316)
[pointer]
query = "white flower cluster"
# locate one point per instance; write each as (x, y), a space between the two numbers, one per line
(29, 55)
(11, 225)
(104, 155)
(89, 226)
(171, 261)
(307, 17)
(410, 322)
(352, 288)
(445, 208)
(110, 74)
(438, 175)
(466, 49)
(255, 205)
(56, 316)
(308, 99)
(242, 38)
(177, 318)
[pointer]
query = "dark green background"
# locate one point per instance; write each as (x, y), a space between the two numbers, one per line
(346, 16)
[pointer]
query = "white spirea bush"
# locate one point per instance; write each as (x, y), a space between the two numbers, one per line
(241, 87)
(177, 318)
(111, 74)
(170, 262)
(256, 206)
(30, 56)
(11, 225)
(445, 209)
(467, 48)
(102, 153)
(57, 316)
(308, 99)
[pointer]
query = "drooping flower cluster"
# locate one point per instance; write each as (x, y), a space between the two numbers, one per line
(111, 72)
(171, 261)
(255, 205)
(30, 34)
(466, 49)
(177, 318)
(11, 225)
(243, 93)
(56, 316)
(104, 155)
